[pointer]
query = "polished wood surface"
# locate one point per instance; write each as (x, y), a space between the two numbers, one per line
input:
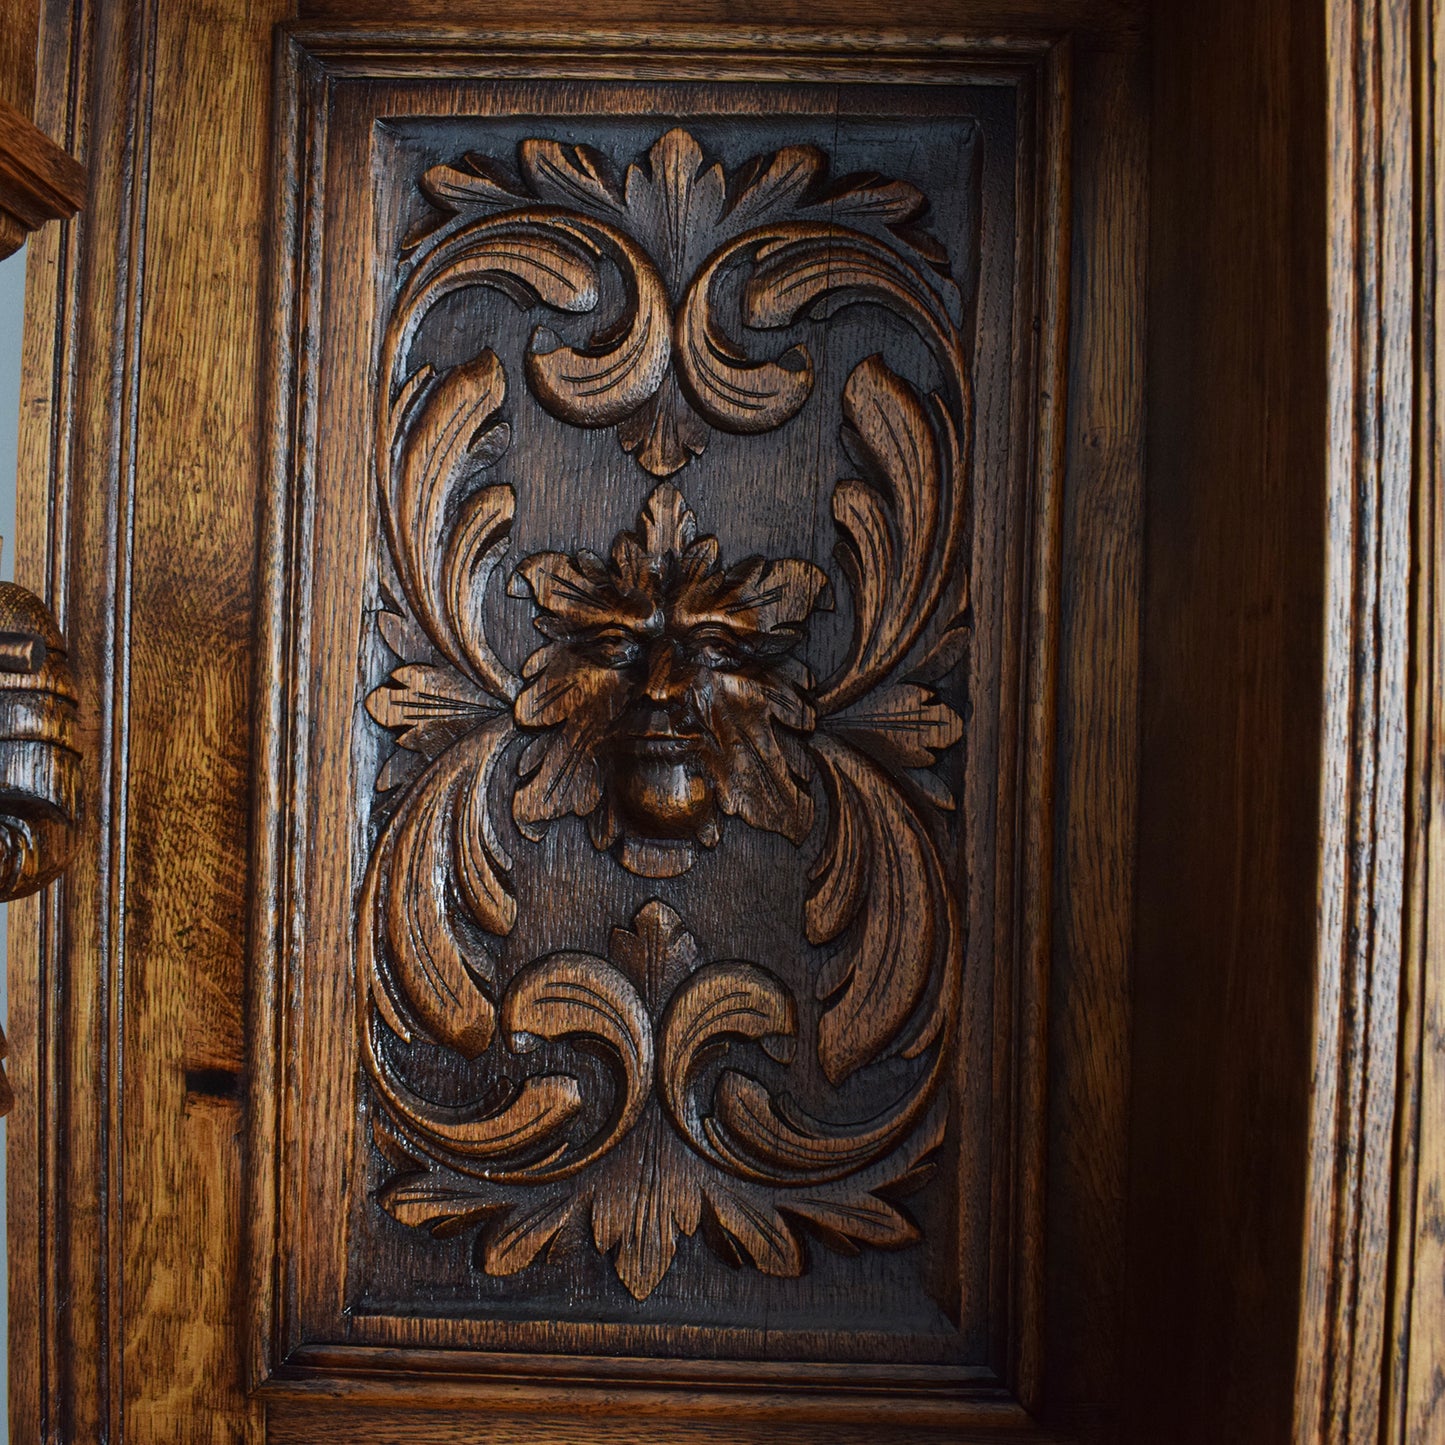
(1371, 480)
(18, 36)
(727, 1164)
(1412, 1407)
(39, 181)
(1230, 791)
(138, 426)
(39, 764)
(506, 889)
(1289, 448)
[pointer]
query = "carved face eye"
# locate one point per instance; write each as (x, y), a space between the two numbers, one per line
(613, 647)
(714, 646)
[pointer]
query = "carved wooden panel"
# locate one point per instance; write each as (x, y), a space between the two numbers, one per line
(663, 582)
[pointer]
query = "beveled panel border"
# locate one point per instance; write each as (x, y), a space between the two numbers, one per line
(310, 63)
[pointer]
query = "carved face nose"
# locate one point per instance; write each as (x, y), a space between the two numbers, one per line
(666, 675)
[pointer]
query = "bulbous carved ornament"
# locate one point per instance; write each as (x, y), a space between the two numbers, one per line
(668, 702)
(39, 760)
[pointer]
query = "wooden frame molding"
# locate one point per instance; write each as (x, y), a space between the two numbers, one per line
(1365, 735)
(141, 981)
(1412, 1406)
(289, 1365)
(1372, 1307)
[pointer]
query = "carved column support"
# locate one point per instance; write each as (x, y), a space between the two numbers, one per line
(39, 764)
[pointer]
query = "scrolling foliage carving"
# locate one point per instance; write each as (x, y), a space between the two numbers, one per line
(667, 701)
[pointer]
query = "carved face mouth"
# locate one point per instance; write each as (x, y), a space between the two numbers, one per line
(662, 686)
(658, 737)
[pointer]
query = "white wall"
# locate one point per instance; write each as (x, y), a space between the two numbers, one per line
(12, 287)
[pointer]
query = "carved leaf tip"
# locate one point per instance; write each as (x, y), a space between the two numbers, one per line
(448, 534)
(908, 723)
(868, 195)
(769, 185)
(668, 525)
(526, 1232)
(476, 181)
(422, 1200)
(674, 199)
(665, 434)
(880, 875)
(573, 175)
(889, 526)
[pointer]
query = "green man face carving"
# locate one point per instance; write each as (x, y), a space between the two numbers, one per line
(666, 694)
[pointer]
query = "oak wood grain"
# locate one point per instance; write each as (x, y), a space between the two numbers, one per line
(1292, 1127)
(354, 55)
(1414, 1397)
(425, 104)
(156, 482)
(292, 1423)
(1089, 1064)
(185, 873)
(19, 44)
(150, 970)
(1248, 1023)
(1369, 484)
(35, 1193)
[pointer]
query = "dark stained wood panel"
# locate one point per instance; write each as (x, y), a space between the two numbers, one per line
(1229, 796)
(898, 226)
(18, 55)
(668, 707)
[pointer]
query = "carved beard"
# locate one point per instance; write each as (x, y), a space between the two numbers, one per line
(660, 774)
(660, 770)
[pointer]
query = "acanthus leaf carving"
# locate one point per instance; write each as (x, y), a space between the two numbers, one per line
(692, 1008)
(668, 694)
(435, 982)
(889, 524)
(655, 225)
(428, 708)
(880, 871)
(426, 1201)
(526, 1232)
(716, 1005)
(571, 176)
(910, 724)
(621, 368)
(453, 429)
(570, 996)
(641, 1234)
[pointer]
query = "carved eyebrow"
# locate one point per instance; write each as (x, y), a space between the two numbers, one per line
(572, 591)
(754, 600)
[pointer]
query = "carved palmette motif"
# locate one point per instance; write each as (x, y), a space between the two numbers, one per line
(668, 700)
